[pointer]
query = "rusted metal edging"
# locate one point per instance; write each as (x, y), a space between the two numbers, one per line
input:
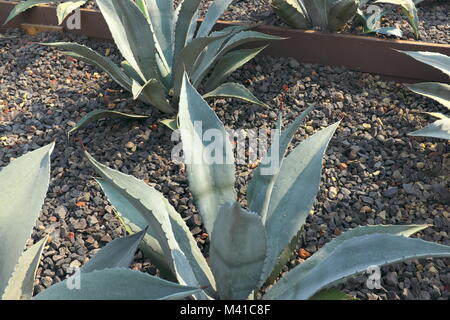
(354, 52)
(358, 53)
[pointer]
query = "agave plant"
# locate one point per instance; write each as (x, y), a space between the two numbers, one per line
(370, 21)
(326, 14)
(24, 184)
(63, 9)
(439, 92)
(409, 10)
(158, 43)
(248, 247)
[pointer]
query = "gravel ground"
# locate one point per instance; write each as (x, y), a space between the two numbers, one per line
(373, 172)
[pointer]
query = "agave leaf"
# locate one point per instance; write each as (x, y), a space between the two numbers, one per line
(370, 22)
(187, 10)
(172, 124)
(410, 10)
(161, 15)
(103, 114)
(117, 254)
(340, 13)
(134, 222)
(317, 11)
(163, 56)
(234, 90)
(212, 53)
(148, 244)
(362, 3)
(361, 18)
(302, 5)
(185, 61)
(244, 37)
(138, 202)
(130, 72)
(23, 184)
(128, 27)
(389, 31)
(66, 8)
(436, 115)
(285, 256)
(211, 183)
(331, 294)
(411, 13)
(20, 286)
(434, 59)
(291, 13)
(439, 129)
(118, 284)
(229, 63)
(260, 188)
(165, 71)
(351, 257)
(196, 259)
(399, 230)
(238, 249)
(236, 36)
(126, 198)
(152, 92)
(300, 174)
(437, 91)
(84, 53)
(319, 257)
(143, 7)
(24, 6)
(215, 10)
(192, 27)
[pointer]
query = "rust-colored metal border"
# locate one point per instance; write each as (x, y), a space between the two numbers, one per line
(358, 53)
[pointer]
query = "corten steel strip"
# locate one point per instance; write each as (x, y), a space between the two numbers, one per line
(354, 52)
(358, 53)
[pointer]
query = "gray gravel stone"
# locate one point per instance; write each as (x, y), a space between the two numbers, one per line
(332, 192)
(391, 192)
(61, 212)
(391, 279)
